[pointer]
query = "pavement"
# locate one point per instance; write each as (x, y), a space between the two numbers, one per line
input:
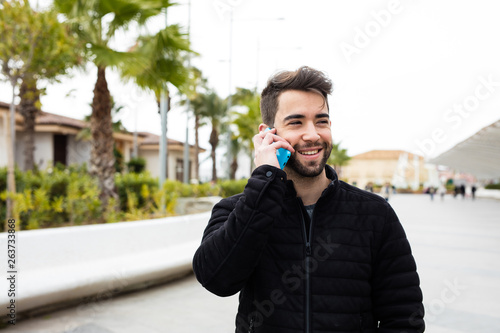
(456, 243)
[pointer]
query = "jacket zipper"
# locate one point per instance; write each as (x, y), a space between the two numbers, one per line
(307, 239)
(250, 328)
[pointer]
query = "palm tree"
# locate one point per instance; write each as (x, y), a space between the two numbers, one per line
(213, 110)
(97, 22)
(198, 85)
(247, 121)
(163, 60)
(338, 158)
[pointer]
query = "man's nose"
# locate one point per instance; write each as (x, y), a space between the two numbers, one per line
(310, 134)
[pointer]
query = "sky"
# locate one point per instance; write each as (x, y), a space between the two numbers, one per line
(414, 75)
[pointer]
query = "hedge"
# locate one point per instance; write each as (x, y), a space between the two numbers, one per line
(63, 196)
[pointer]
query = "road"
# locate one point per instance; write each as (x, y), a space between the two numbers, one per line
(456, 243)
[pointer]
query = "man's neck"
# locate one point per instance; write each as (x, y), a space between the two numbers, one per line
(309, 189)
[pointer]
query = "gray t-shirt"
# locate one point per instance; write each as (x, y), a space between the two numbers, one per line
(309, 210)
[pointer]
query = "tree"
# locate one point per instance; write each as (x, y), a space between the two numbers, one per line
(213, 108)
(338, 158)
(163, 56)
(197, 86)
(247, 121)
(33, 46)
(55, 51)
(97, 23)
(86, 135)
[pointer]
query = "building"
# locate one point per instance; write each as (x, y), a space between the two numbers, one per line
(397, 167)
(56, 141)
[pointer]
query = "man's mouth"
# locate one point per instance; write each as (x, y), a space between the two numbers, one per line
(309, 152)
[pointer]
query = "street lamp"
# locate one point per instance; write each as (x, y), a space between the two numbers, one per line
(229, 100)
(188, 106)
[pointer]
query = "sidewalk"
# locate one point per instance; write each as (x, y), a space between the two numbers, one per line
(455, 242)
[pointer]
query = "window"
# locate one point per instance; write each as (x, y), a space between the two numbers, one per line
(179, 170)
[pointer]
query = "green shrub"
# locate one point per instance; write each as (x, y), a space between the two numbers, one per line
(54, 197)
(232, 187)
(62, 196)
(206, 190)
(136, 165)
(492, 187)
(133, 183)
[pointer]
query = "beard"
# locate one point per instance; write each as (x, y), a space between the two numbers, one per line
(311, 168)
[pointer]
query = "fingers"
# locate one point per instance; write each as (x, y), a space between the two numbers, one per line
(282, 144)
(266, 144)
(268, 138)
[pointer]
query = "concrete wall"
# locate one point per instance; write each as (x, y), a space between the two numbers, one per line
(152, 161)
(78, 151)
(67, 265)
(44, 149)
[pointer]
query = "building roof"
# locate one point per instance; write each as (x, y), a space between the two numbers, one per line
(150, 139)
(47, 118)
(382, 155)
(478, 155)
(4, 105)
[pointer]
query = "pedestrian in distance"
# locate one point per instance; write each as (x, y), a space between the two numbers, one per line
(473, 191)
(432, 191)
(385, 191)
(462, 191)
(306, 251)
(442, 191)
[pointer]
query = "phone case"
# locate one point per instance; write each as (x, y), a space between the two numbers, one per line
(282, 154)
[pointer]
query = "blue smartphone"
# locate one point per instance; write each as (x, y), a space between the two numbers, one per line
(282, 154)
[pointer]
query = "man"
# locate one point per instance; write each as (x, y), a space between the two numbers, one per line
(307, 252)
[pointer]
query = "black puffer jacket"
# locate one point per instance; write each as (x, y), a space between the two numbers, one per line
(353, 271)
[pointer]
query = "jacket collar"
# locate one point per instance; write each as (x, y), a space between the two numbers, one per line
(330, 174)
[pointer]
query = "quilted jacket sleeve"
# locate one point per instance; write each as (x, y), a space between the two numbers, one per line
(237, 232)
(397, 297)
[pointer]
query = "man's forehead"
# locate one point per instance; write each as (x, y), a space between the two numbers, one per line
(301, 103)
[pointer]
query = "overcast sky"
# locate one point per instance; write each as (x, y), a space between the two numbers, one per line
(415, 75)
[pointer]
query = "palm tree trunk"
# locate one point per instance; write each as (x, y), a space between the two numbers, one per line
(234, 167)
(30, 99)
(214, 141)
(102, 159)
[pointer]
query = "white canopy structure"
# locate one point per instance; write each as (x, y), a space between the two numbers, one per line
(478, 155)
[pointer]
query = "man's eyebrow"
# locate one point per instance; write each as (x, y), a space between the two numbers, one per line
(300, 116)
(294, 116)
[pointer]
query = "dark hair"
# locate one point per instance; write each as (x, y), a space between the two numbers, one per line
(305, 79)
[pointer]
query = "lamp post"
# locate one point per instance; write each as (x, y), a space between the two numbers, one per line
(230, 61)
(188, 107)
(163, 138)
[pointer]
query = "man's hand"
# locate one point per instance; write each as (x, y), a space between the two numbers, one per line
(266, 143)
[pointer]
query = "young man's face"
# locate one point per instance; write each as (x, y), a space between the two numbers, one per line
(303, 120)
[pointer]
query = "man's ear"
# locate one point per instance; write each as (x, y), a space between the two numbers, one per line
(262, 127)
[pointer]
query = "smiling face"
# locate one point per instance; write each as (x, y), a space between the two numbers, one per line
(303, 120)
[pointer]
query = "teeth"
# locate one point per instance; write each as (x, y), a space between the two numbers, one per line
(311, 152)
